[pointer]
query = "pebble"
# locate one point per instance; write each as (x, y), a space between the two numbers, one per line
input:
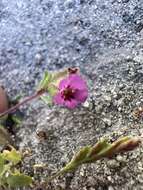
(107, 121)
(140, 166)
(91, 188)
(107, 98)
(109, 178)
(110, 188)
(86, 104)
(27, 80)
(112, 164)
(69, 4)
(98, 108)
(38, 58)
(140, 178)
(119, 109)
(120, 158)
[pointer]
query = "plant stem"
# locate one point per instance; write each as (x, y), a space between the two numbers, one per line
(28, 99)
(61, 172)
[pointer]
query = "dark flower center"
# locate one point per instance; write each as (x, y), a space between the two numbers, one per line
(68, 93)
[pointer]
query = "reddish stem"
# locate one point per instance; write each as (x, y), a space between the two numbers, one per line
(12, 109)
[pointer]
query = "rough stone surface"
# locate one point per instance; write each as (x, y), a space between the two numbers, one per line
(105, 39)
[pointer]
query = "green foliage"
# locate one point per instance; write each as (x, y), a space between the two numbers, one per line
(47, 99)
(18, 180)
(4, 136)
(16, 119)
(102, 149)
(12, 156)
(50, 83)
(1, 164)
(9, 175)
(44, 84)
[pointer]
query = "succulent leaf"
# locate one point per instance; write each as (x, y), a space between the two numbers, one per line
(45, 81)
(12, 156)
(128, 144)
(102, 149)
(79, 158)
(18, 180)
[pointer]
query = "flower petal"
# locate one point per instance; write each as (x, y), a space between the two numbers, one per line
(58, 99)
(64, 83)
(71, 104)
(81, 95)
(77, 82)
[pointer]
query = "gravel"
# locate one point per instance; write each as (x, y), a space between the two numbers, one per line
(103, 38)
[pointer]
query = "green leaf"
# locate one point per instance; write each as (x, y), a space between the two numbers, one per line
(3, 118)
(81, 155)
(17, 120)
(6, 169)
(98, 147)
(79, 158)
(52, 90)
(4, 136)
(47, 99)
(57, 77)
(12, 156)
(19, 180)
(1, 164)
(45, 81)
(102, 149)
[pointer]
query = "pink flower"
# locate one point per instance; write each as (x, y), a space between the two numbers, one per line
(72, 91)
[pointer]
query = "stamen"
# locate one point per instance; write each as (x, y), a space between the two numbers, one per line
(68, 93)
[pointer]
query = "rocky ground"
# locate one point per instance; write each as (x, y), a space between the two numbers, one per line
(105, 39)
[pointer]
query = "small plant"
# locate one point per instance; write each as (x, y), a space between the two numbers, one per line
(102, 149)
(65, 87)
(10, 176)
